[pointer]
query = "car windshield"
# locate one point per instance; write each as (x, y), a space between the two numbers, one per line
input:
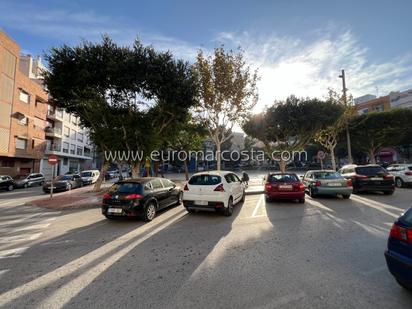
(327, 175)
(283, 178)
(126, 188)
(370, 170)
(64, 177)
(19, 177)
(205, 180)
(86, 174)
(410, 168)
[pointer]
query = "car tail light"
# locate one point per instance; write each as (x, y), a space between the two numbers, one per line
(301, 187)
(107, 196)
(220, 188)
(186, 188)
(361, 176)
(268, 186)
(388, 177)
(318, 183)
(133, 196)
(349, 183)
(401, 233)
(408, 173)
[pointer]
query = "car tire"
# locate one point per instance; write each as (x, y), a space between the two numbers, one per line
(399, 182)
(268, 199)
(346, 196)
(179, 199)
(228, 211)
(10, 188)
(388, 192)
(41, 183)
(149, 212)
(302, 200)
(311, 193)
(25, 185)
(191, 211)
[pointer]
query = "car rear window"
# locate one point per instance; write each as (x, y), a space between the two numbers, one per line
(407, 217)
(327, 175)
(283, 178)
(126, 188)
(370, 170)
(410, 168)
(86, 174)
(205, 180)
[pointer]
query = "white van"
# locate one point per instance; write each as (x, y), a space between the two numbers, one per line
(89, 177)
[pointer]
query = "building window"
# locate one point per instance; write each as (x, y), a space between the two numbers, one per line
(66, 131)
(74, 120)
(59, 113)
(65, 161)
(7, 163)
(79, 151)
(72, 149)
(24, 96)
(379, 108)
(80, 137)
(73, 135)
(32, 144)
(21, 143)
(23, 122)
(65, 147)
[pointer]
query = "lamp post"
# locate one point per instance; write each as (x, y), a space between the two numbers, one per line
(347, 128)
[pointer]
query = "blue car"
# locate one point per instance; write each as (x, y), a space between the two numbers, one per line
(399, 253)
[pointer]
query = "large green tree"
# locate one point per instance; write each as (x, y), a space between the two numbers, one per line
(135, 92)
(227, 93)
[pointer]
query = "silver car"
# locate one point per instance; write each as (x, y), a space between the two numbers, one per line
(24, 181)
(402, 174)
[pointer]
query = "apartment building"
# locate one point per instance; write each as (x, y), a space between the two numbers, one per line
(69, 141)
(23, 108)
(373, 104)
(401, 99)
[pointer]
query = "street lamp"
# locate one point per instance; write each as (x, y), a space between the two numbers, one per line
(347, 128)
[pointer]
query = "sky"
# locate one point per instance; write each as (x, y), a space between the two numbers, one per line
(298, 47)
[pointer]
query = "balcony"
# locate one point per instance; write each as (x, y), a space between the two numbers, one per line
(55, 114)
(53, 132)
(52, 148)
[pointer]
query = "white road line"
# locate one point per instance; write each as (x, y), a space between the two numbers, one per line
(259, 203)
(283, 300)
(312, 202)
(3, 271)
(18, 238)
(30, 218)
(24, 228)
(377, 203)
(12, 253)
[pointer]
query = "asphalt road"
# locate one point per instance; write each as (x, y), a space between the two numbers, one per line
(327, 253)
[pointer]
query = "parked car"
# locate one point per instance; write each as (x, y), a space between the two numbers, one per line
(399, 253)
(280, 186)
(89, 177)
(6, 183)
(327, 182)
(370, 177)
(63, 183)
(112, 174)
(213, 191)
(142, 197)
(402, 174)
(24, 181)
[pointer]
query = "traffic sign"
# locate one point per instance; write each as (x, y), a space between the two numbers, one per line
(53, 159)
(321, 155)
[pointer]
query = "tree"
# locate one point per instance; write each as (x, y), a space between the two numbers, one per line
(227, 93)
(373, 131)
(128, 97)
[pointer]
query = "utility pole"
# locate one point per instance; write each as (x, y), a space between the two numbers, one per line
(345, 101)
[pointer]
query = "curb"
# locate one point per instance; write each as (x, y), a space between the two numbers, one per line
(254, 192)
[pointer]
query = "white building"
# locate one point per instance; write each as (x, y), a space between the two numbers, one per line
(69, 141)
(401, 99)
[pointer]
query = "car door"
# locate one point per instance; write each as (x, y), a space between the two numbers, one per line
(171, 194)
(77, 181)
(159, 192)
(237, 186)
(3, 182)
(307, 180)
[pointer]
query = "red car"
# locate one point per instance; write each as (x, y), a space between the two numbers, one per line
(284, 186)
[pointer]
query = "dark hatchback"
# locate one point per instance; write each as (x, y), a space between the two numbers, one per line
(63, 183)
(399, 253)
(141, 197)
(369, 178)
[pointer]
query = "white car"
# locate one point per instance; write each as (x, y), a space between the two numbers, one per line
(89, 177)
(213, 191)
(402, 174)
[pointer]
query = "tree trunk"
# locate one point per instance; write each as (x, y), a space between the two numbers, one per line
(218, 158)
(161, 170)
(101, 178)
(372, 157)
(186, 169)
(136, 170)
(282, 166)
(156, 168)
(332, 157)
(120, 167)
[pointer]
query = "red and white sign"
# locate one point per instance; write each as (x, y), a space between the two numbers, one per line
(53, 159)
(321, 155)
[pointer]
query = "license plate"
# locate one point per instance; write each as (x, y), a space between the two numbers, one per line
(50, 188)
(376, 178)
(285, 187)
(334, 184)
(115, 210)
(202, 203)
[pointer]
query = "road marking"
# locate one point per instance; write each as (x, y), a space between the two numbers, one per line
(370, 204)
(258, 204)
(357, 197)
(3, 271)
(18, 238)
(24, 228)
(311, 201)
(283, 300)
(12, 253)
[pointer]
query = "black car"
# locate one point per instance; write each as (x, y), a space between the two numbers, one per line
(6, 183)
(370, 177)
(141, 197)
(63, 183)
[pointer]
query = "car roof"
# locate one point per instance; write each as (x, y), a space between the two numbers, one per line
(329, 171)
(220, 173)
(140, 180)
(89, 171)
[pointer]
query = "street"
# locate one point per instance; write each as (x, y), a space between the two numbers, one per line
(325, 253)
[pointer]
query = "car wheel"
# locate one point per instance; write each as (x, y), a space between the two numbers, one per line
(346, 196)
(25, 185)
(311, 193)
(228, 211)
(179, 198)
(68, 187)
(41, 183)
(149, 212)
(399, 182)
(189, 210)
(10, 188)
(268, 199)
(388, 192)
(302, 200)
